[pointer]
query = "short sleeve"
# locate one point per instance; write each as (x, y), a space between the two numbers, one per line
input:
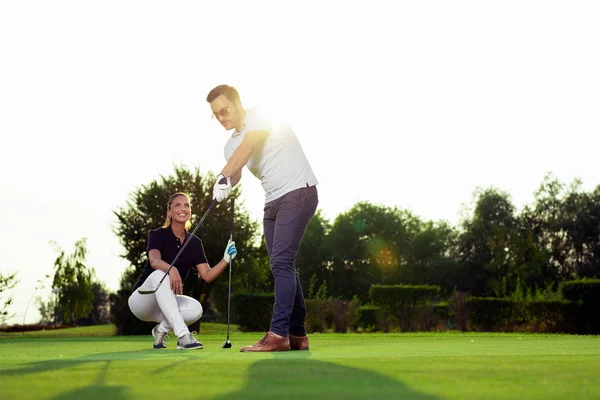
(259, 123)
(199, 255)
(154, 241)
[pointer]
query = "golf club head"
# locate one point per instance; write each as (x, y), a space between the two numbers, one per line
(227, 344)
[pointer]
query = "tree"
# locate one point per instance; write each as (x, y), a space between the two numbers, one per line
(584, 231)
(484, 240)
(100, 312)
(567, 223)
(499, 249)
(7, 282)
(369, 244)
(50, 311)
(546, 218)
(432, 257)
(73, 282)
(145, 210)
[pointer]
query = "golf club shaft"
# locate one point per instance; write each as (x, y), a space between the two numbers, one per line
(230, 264)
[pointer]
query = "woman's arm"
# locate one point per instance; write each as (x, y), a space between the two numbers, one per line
(209, 274)
(157, 263)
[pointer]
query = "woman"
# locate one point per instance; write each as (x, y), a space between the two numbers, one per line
(168, 306)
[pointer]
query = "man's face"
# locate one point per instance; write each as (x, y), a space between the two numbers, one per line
(226, 112)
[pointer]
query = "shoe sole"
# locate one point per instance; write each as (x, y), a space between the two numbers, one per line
(262, 351)
(190, 348)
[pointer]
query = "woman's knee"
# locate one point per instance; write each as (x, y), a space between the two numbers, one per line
(190, 309)
(198, 310)
(156, 276)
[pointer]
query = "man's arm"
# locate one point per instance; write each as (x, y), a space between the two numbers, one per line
(252, 141)
(236, 178)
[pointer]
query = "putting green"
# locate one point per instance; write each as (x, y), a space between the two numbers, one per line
(52, 365)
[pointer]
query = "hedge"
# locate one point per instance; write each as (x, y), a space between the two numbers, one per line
(400, 301)
(492, 314)
(586, 293)
(337, 315)
(252, 312)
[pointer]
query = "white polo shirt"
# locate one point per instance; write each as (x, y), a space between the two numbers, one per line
(281, 164)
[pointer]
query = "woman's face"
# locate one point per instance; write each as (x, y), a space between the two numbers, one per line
(180, 209)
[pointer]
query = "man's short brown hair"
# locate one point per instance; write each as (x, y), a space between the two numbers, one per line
(229, 91)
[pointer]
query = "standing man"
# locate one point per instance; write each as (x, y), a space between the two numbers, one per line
(273, 154)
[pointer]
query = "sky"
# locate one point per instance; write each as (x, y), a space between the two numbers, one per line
(407, 104)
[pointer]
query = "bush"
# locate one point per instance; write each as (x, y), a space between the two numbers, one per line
(586, 293)
(550, 316)
(493, 314)
(458, 313)
(430, 317)
(367, 318)
(317, 315)
(336, 315)
(252, 311)
(32, 327)
(441, 316)
(400, 301)
(504, 315)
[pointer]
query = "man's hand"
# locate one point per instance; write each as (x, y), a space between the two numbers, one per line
(175, 279)
(222, 188)
(230, 251)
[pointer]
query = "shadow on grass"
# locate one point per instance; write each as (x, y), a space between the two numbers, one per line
(53, 365)
(303, 378)
(95, 392)
(285, 376)
(98, 390)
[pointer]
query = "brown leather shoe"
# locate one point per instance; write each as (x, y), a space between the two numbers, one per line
(269, 342)
(299, 342)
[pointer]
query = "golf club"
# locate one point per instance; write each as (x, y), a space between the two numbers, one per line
(150, 291)
(227, 343)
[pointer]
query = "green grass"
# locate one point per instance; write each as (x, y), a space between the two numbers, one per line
(93, 331)
(102, 330)
(428, 366)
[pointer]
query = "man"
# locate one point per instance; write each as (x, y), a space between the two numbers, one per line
(273, 154)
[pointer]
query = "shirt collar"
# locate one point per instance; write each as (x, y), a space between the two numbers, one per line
(170, 229)
(235, 133)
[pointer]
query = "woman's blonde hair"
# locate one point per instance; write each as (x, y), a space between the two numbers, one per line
(167, 222)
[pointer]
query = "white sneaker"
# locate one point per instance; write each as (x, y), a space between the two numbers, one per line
(189, 342)
(159, 338)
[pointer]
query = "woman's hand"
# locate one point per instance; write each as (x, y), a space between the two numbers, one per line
(230, 251)
(176, 283)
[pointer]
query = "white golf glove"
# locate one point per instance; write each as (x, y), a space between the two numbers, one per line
(221, 191)
(230, 251)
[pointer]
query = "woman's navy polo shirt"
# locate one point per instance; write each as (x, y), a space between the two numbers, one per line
(165, 241)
